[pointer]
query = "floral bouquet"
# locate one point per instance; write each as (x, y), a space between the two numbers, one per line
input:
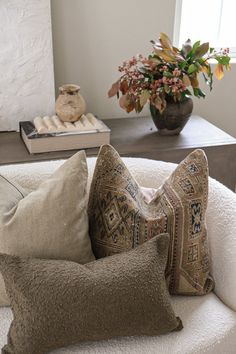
(168, 74)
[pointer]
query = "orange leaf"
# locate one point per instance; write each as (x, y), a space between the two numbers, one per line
(194, 82)
(114, 89)
(126, 103)
(205, 68)
(219, 71)
(201, 50)
(145, 94)
(167, 56)
(123, 101)
(179, 57)
(165, 41)
(176, 50)
(124, 87)
(160, 104)
(186, 80)
(130, 107)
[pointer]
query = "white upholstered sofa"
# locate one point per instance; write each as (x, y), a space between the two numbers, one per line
(209, 321)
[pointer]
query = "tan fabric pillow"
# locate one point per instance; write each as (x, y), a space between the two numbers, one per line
(50, 222)
(58, 303)
(120, 217)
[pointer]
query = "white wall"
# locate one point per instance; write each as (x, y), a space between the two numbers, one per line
(219, 106)
(92, 37)
(26, 63)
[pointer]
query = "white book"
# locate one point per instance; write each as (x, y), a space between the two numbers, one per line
(60, 141)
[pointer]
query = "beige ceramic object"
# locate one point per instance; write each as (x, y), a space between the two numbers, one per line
(70, 105)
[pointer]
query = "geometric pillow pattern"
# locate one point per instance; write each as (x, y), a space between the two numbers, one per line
(120, 218)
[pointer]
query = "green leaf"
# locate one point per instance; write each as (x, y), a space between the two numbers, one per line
(198, 65)
(145, 94)
(201, 50)
(166, 89)
(224, 60)
(201, 93)
(208, 79)
(167, 74)
(200, 61)
(198, 93)
(195, 46)
(192, 68)
(187, 92)
(184, 95)
(138, 108)
(195, 91)
(193, 50)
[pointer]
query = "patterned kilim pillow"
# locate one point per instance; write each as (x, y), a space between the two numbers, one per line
(120, 218)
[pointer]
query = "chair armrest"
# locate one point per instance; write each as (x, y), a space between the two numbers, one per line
(221, 225)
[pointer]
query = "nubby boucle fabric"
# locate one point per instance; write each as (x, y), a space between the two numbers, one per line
(120, 217)
(209, 323)
(58, 303)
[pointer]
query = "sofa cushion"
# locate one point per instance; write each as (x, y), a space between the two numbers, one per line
(220, 215)
(50, 222)
(57, 303)
(120, 218)
(209, 327)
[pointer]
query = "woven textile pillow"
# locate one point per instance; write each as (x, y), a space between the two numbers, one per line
(58, 303)
(120, 218)
(50, 222)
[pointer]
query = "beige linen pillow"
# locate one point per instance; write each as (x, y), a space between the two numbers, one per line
(58, 303)
(120, 217)
(50, 222)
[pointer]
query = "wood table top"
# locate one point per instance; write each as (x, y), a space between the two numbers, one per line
(129, 136)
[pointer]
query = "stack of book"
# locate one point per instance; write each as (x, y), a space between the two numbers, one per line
(51, 134)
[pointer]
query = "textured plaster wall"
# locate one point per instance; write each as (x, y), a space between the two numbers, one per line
(26, 61)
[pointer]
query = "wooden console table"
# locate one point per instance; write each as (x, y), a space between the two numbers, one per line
(138, 137)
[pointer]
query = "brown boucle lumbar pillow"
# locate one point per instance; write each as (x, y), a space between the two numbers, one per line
(120, 218)
(58, 303)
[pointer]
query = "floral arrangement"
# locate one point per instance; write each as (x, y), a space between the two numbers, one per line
(168, 74)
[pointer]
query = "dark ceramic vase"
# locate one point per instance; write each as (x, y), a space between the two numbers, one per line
(174, 117)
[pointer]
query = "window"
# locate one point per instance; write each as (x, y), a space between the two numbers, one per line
(206, 20)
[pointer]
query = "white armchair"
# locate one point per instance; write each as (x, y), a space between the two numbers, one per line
(209, 321)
